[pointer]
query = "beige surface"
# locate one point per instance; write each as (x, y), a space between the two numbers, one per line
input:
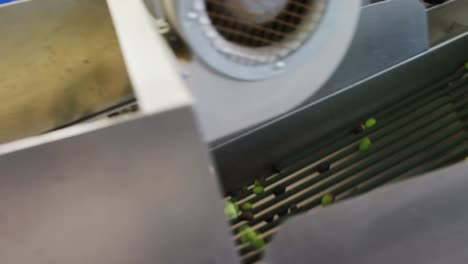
(59, 60)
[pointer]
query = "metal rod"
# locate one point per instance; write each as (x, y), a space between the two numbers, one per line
(350, 185)
(407, 102)
(377, 136)
(379, 156)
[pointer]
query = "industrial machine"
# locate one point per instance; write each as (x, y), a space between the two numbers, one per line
(258, 54)
(275, 110)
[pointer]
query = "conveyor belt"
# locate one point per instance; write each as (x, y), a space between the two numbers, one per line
(420, 132)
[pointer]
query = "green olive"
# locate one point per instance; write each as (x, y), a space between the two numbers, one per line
(370, 123)
(247, 207)
(248, 235)
(258, 190)
(365, 144)
(466, 66)
(231, 210)
(258, 243)
(236, 206)
(243, 228)
(244, 239)
(327, 199)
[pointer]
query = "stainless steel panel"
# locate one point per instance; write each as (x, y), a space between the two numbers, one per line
(133, 192)
(421, 220)
(387, 34)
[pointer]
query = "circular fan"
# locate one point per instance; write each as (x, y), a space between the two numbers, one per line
(253, 60)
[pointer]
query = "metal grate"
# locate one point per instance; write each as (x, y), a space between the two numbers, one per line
(277, 26)
(418, 133)
(256, 23)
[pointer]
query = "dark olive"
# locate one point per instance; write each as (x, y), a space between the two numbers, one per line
(293, 208)
(269, 217)
(247, 216)
(358, 129)
(323, 167)
(279, 190)
(283, 212)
